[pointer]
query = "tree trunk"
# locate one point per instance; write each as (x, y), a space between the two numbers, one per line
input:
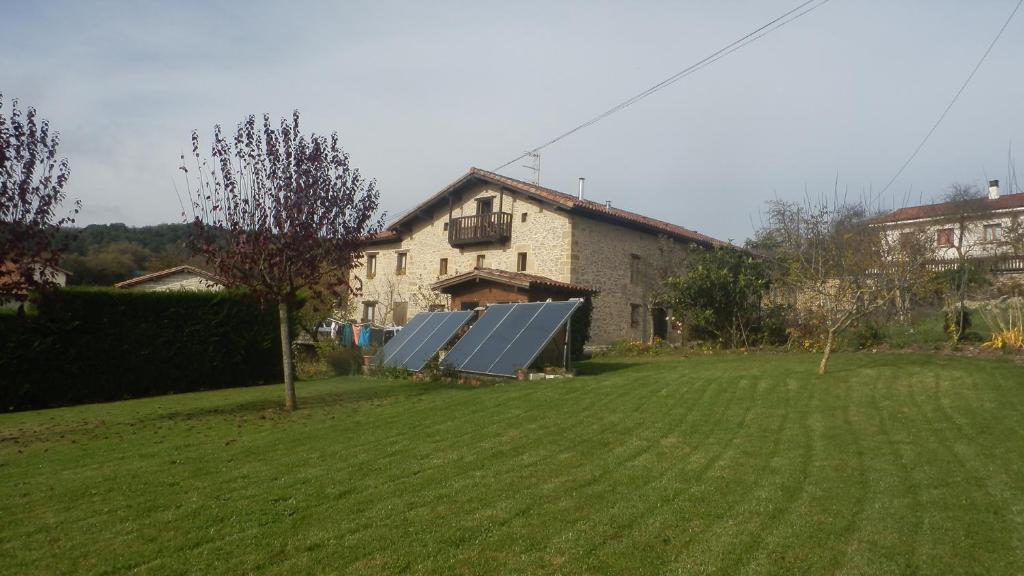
(286, 357)
(823, 367)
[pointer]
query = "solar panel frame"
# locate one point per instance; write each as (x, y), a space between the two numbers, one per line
(476, 363)
(534, 337)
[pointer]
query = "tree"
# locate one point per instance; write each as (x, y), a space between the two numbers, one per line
(32, 181)
(967, 201)
(275, 212)
(839, 266)
(720, 295)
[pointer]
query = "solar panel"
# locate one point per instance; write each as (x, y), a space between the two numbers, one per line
(421, 338)
(509, 337)
(399, 339)
(448, 324)
(483, 327)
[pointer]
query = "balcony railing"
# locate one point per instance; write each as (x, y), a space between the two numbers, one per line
(479, 229)
(1001, 263)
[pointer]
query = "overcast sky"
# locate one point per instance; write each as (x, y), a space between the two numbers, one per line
(421, 91)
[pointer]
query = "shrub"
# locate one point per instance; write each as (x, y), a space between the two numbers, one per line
(95, 345)
(868, 334)
(344, 361)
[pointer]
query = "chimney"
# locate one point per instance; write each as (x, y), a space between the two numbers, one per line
(608, 204)
(993, 189)
(580, 196)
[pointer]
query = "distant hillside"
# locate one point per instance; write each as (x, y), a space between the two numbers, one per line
(104, 254)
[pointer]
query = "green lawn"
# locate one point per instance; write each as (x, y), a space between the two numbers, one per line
(726, 465)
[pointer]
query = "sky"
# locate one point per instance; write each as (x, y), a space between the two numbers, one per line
(419, 92)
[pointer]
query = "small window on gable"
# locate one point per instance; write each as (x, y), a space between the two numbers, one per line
(445, 226)
(371, 265)
(991, 232)
(634, 268)
(523, 217)
(944, 237)
(400, 263)
(442, 269)
(521, 262)
(484, 205)
(480, 260)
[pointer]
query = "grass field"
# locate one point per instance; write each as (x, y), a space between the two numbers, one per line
(891, 464)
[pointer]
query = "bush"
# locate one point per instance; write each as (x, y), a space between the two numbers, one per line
(344, 361)
(96, 345)
(868, 334)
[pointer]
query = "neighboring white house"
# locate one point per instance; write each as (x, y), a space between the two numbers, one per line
(55, 274)
(177, 278)
(986, 227)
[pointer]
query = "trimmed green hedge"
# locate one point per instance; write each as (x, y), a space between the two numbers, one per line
(95, 345)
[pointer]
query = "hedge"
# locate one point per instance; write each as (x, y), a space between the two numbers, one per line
(94, 345)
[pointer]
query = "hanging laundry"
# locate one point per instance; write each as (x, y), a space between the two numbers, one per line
(346, 335)
(365, 334)
(356, 332)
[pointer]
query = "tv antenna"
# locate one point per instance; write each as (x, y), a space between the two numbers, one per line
(533, 166)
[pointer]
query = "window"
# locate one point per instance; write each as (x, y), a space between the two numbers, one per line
(445, 226)
(484, 205)
(521, 262)
(635, 313)
(436, 308)
(403, 258)
(369, 311)
(400, 314)
(634, 269)
(480, 260)
(523, 217)
(991, 232)
(442, 269)
(469, 305)
(371, 265)
(944, 237)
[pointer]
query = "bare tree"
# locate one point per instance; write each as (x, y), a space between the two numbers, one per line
(839, 265)
(32, 181)
(275, 212)
(967, 202)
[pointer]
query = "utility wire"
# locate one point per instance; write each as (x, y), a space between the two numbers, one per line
(733, 46)
(955, 98)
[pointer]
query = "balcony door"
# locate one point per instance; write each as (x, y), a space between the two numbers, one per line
(484, 205)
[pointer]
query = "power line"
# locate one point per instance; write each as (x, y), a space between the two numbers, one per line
(955, 98)
(733, 46)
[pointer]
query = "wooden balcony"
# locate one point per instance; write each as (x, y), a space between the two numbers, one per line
(480, 229)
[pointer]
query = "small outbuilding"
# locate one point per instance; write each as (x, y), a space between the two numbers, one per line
(178, 278)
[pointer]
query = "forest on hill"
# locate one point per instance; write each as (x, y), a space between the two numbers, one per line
(104, 254)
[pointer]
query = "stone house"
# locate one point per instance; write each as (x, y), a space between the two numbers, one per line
(177, 278)
(487, 238)
(984, 228)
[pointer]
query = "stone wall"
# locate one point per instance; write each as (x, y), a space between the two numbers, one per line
(602, 258)
(544, 236)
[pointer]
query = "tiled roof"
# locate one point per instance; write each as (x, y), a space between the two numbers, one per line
(570, 203)
(170, 272)
(977, 206)
(520, 279)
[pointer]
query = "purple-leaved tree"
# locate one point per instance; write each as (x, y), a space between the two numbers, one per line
(275, 212)
(32, 181)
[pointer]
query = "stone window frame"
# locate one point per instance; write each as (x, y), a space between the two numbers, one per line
(369, 310)
(523, 216)
(371, 265)
(521, 261)
(481, 260)
(401, 263)
(636, 313)
(634, 268)
(442, 267)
